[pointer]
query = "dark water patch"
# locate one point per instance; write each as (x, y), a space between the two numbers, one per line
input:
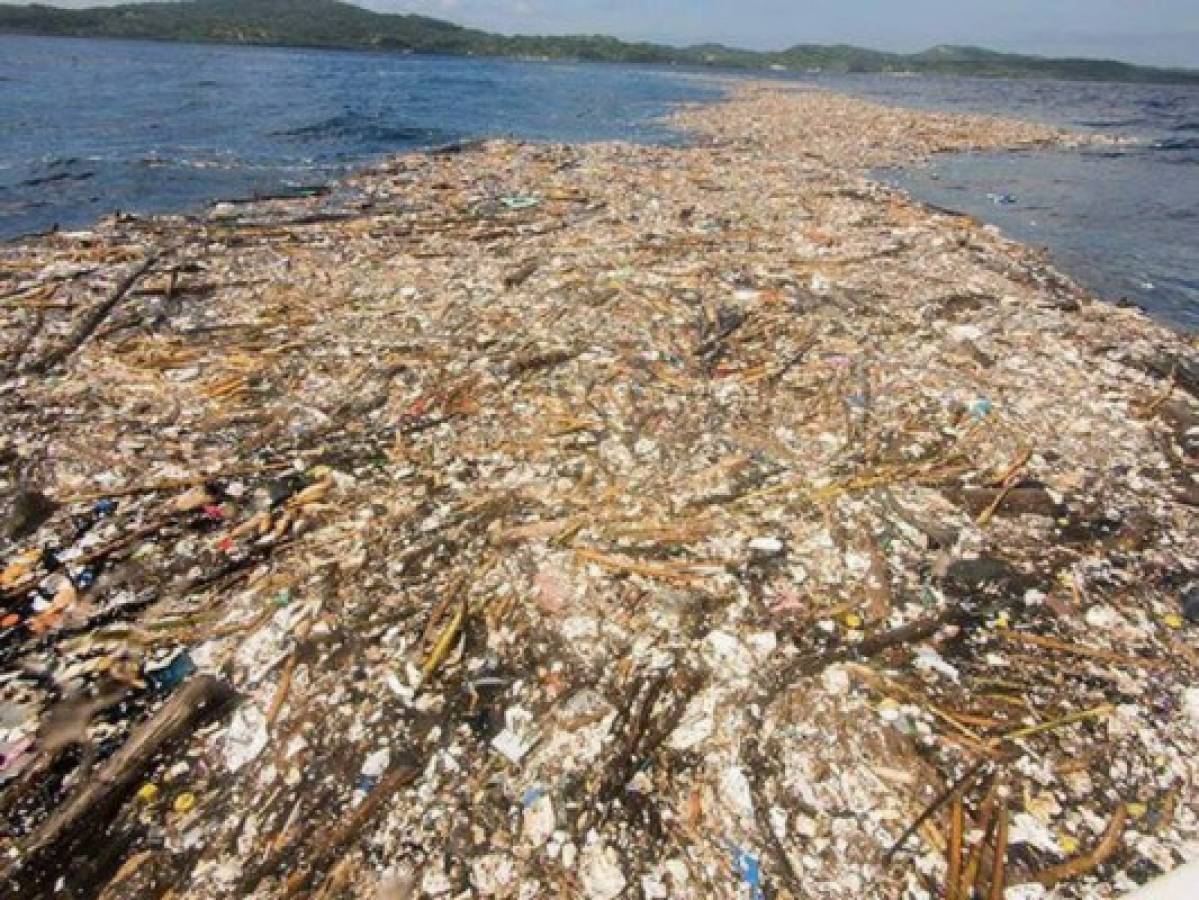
(61, 162)
(1177, 145)
(1112, 123)
(20, 206)
(463, 80)
(57, 178)
(1164, 102)
(355, 127)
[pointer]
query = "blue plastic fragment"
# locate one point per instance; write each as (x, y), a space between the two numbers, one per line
(980, 408)
(519, 202)
(172, 673)
(105, 507)
(366, 783)
(750, 870)
(532, 795)
(85, 579)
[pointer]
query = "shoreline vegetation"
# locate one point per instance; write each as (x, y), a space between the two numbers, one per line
(584, 520)
(336, 25)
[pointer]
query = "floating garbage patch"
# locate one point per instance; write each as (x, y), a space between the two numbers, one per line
(601, 521)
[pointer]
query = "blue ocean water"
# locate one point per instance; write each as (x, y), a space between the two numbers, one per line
(87, 127)
(1123, 220)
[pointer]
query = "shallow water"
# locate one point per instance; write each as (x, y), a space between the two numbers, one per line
(1122, 220)
(89, 126)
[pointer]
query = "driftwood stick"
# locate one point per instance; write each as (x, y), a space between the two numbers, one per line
(521, 274)
(905, 635)
(174, 484)
(49, 850)
(1081, 865)
(93, 319)
(954, 790)
(999, 861)
(972, 874)
(334, 842)
(790, 879)
(957, 828)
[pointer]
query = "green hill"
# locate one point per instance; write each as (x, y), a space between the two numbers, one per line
(330, 23)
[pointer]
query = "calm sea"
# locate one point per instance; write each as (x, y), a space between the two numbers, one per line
(1122, 220)
(87, 127)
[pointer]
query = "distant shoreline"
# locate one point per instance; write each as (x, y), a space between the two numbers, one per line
(711, 70)
(329, 25)
(697, 68)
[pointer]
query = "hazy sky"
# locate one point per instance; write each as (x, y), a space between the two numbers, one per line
(1151, 31)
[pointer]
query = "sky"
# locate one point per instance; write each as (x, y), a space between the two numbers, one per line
(1163, 32)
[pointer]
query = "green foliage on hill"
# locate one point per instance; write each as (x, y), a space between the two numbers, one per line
(330, 23)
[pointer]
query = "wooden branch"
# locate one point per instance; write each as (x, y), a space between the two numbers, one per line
(1081, 865)
(50, 849)
(953, 791)
(92, 320)
(1043, 642)
(953, 879)
(333, 843)
(972, 875)
(999, 860)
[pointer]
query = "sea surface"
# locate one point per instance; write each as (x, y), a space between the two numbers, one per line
(1123, 220)
(92, 126)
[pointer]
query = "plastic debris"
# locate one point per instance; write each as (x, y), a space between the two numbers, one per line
(766, 545)
(980, 408)
(517, 203)
(246, 738)
(715, 497)
(539, 822)
(173, 673)
(600, 872)
(750, 870)
(515, 740)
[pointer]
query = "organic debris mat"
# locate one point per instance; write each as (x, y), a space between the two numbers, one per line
(534, 520)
